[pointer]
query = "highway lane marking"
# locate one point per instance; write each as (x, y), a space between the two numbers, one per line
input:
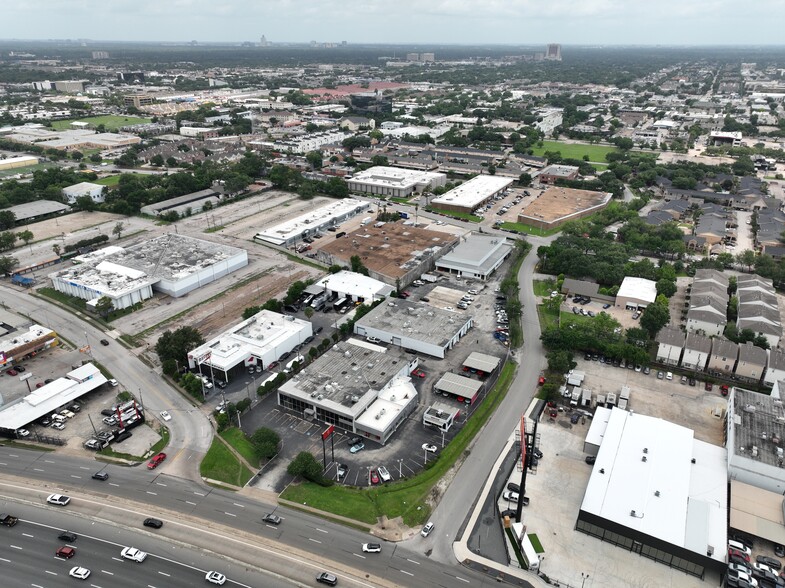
(165, 574)
(358, 555)
(52, 573)
(159, 484)
(77, 477)
(309, 539)
(5, 560)
(38, 470)
(12, 455)
(115, 558)
(27, 535)
(407, 573)
(271, 526)
(321, 530)
(240, 505)
(113, 484)
(2, 463)
(36, 586)
(153, 493)
(49, 461)
(230, 514)
(15, 547)
(108, 572)
(191, 503)
(414, 562)
(198, 493)
(462, 579)
(83, 468)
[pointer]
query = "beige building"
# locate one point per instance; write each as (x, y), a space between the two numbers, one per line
(752, 363)
(722, 360)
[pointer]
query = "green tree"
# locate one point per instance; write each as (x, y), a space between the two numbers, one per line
(525, 179)
(560, 361)
(84, 203)
(666, 287)
(118, 230)
(77, 155)
(309, 312)
(7, 220)
(7, 264)
(358, 266)
(314, 158)
(157, 160)
(26, 236)
(104, 306)
(56, 249)
(176, 344)
(306, 466)
(380, 160)
(746, 258)
(95, 158)
(654, 318)
(265, 442)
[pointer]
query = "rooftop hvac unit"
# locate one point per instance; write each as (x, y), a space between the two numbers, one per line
(320, 397)
(632, 513)
(347, 354)
(656, 493)
(314, 394)
(644, 458)
(645, 450)
(749, 408)
(355, 398)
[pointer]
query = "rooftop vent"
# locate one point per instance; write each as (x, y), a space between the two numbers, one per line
(644, 458)
(633, 513)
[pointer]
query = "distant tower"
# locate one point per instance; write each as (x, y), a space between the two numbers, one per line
(263, 42)
(553, 52)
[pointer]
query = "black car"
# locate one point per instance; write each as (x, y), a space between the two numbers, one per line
(747, 540)
(308, 340)
(122, 436)
(67, 536)
(355, 440)
(537, 453)
(318, 330)
(590, 459)
(769, 561)
(104, 342)
(154, 523)
(512, 487)
(107, 412)
(510, 512)
(19, 368)
(290, 308)
(103, 476)
(779, 550)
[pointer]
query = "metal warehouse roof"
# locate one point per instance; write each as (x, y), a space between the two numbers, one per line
(482, 362)
(458, 385)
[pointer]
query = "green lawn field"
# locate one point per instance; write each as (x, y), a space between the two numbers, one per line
(108, 181)
(576, 150)
(111, 122)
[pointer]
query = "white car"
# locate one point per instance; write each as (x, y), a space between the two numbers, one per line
(372, 548)
(426, 530)
(510, 495)
(80, 573)
(215, 578)
(133, 554)
(472, 292)
(372, 339)
(58, 499)
(113, 383)
(166, 416)
(23, 432)
(429, 448)
(764, 568)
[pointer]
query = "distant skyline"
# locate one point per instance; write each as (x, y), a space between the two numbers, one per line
(465, 22)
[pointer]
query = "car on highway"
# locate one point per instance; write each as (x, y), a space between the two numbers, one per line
(65, 552)
(429, 447)
(104, 342)
(58, 499)
(166, 416)
(271, 518)
(427, 529)
(103, 476)
(79, 573)
(67, 536)
(327, 578)
(156, 461)
(372, 548)
(153, 523)
(357, 447)
(133, 554)
(215, 578)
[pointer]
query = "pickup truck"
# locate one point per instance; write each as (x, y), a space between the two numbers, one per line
(8, 520)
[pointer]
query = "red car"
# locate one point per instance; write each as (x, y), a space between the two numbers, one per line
(709, 386)
(418, 374)
(11, 372)
(156, 461)
(724, 390)
(65, 552)
(541, 381)
(405, 294)
(374, 477)
(735, 552)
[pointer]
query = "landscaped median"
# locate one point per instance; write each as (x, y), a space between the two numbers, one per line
(408, 498)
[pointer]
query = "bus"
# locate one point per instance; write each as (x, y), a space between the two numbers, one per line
(341, 304)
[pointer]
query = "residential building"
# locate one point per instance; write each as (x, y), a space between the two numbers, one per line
(751, 364)
(724, 353)
(775, 370)
(357, 123)
(697, 350)
(670, 345)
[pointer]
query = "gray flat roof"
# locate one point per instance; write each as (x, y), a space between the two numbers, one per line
(458, 385)
(37, 208)
(416, 320)
(482, 362)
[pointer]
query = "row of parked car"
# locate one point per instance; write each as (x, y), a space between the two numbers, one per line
(764, 572)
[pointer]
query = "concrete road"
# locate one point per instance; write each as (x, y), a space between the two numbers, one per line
(191, 433)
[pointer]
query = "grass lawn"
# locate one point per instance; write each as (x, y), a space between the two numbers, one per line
(405, 498)
(237, 439)
(108, 181)
(547, 319)
(25, 170)
(465, 216)
(221, 464)
(543, 287)
(111, 122)
(529, 230)
(536, 543)
(576, 150)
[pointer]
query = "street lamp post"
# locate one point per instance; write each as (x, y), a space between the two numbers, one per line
(584, 577)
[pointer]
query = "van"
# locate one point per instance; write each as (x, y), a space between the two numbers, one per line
(58, 418)
(384, 474)
(268, 380)
(299, 359)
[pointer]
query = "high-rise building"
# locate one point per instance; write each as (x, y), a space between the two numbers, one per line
(263, 42)
(412, 57)
(427, 57)
(553, 52)
(100, 55)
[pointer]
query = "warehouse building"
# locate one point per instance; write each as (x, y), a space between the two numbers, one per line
(351, 285)
(19, 161)
(460, 388)
(20, 344)
(93, 191)
(415, 326)
(636, 293)
(171, 264)
(316, 221)
(259, 340)
(657, 491)
(361, 388)
(394, 182)
(470, 195)
(476, 256)
(30, 211)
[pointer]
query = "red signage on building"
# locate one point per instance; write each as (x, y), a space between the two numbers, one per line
(329, 431)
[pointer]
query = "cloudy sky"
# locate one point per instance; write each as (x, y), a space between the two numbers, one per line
(678, 22)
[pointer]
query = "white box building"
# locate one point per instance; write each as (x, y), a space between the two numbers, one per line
(94, 191)
(318, 220)
(469, 195)
(394, 181)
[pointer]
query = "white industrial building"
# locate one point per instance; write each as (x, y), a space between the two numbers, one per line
(362, 388)
(394, 182)
(636, 293)
(315, 221)
(311, 142)
(18, 161)
(50, 397)
(259, 340)
(351, 285)
(415, 326)
(94, 191)
(476, 256)
(469, 195)
(172, 264)
(658, 491)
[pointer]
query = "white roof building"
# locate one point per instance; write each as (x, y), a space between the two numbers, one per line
(94, 191)
(656, 485)
(317, 220)
(471, 194)
(476, 256)
(636, 292)
(259, 340)
(394, 181)
(354, 285)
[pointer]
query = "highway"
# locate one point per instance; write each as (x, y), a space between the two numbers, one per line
(224, 523)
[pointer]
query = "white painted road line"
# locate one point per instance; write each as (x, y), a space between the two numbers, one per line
(113, 484)
(5, 560)
(38, 470)
(191, 503)
(77, 477)
(321, 530)
(27, 535)
(414, 562)
(462, 579)
(240, 505)
(165, 574)
(159, 484)
(198, 493)
(152, 493)
(407, 573)
(358, 555)
(15, 547)
(51, 573)
(314, 540)
(109, 573)
(230, 514)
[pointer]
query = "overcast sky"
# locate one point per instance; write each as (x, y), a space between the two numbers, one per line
(677, 22)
